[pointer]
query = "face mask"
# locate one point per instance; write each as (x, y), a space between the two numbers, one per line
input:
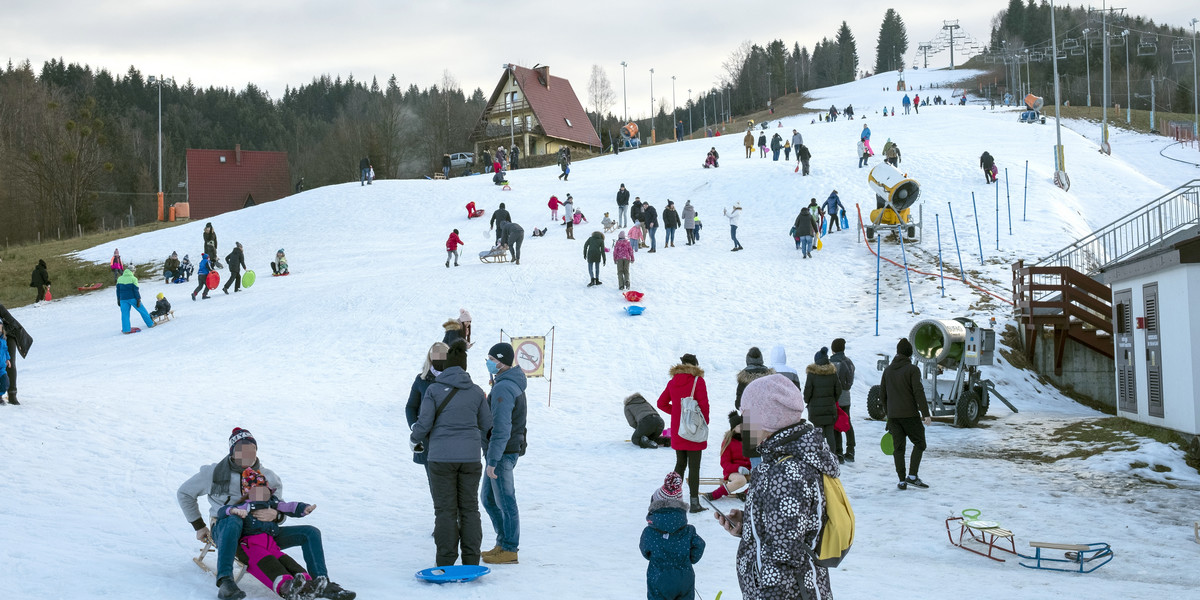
(492, 367)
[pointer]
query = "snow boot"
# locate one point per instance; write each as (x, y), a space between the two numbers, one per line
(448, 264)
(314, 587)
(229, 590)
(503, 557)
(290, 589)
(334, 591)
(598, 282)
(592, 283)
(695, 505)
(12, 399)
(903, 485)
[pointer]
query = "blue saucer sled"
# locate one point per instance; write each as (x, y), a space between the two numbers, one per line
(453, 573)
(634, 310)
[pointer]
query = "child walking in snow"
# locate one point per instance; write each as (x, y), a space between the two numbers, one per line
(7, 364)
(266, 562)
(670, 544)
(554, 204)
(452, 244)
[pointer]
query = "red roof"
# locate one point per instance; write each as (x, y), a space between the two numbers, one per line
(216, 187)
(554, 103)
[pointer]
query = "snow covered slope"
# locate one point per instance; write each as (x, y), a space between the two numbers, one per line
(318, 366)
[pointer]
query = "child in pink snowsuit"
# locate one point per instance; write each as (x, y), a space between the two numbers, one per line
(264, 560)
(554, 204)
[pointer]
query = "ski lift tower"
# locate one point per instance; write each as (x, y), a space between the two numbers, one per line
(951, 26)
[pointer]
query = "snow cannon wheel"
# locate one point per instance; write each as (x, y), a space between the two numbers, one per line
(875, 404)
(968, 410)
(870, 233)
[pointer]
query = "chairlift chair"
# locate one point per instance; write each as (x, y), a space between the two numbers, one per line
(1061, 55)
(1078, 52)
(1181, 52)
(1070, 43)
(1147, 48)
(1116, 41)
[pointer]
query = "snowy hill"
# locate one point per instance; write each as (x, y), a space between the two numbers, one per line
(318, 366)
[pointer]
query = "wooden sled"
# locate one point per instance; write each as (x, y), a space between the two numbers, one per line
(988, 534)
(1083, 557)
(498, 256)
(239, 560)
(159, 320)
(439, 176)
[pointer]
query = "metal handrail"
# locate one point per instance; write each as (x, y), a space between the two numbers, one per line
(1150, 224)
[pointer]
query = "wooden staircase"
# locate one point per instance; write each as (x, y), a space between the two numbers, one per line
(1059, 292)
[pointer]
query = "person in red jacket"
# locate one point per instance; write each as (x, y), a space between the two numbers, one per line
(452, 244)
(735, 467)
(687, 379)
(554, 204)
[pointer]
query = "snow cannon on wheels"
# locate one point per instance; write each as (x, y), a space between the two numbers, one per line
(629, 135)
(949, 345)
(895, 194)
(1033, 110)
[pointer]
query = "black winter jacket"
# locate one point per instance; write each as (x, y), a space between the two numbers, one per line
(670, 218)
(500, 216)
(649, 215)
(235, 260)
(593, 248)
(901, 391)
(622, 197)
(821, 391)
(803, 224)
(40, 277)
(637, 212)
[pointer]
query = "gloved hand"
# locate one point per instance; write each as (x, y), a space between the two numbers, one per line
(416, 446)
(743, 470)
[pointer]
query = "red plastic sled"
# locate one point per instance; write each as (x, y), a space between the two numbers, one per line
(472, 212)
(213, 280)
(281, 274)
(633, 296)
(89, 287)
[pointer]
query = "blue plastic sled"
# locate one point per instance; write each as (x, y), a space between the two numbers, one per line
(845, 221)
(453, 573)
(634, 310)
(824, 226)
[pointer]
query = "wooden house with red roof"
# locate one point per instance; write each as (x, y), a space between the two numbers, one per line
(537, 110)
(219, 181)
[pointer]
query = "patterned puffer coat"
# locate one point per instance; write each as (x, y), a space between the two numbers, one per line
(783, 518)
(672, 547)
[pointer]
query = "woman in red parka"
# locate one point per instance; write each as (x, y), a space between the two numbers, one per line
(735, 467)
(687, 453)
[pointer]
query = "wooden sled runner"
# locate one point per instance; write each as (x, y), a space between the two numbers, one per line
(239, 560)
(1082, 557)
(159, 320)
(975, 535)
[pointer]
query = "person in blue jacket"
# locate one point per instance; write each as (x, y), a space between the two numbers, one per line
(202, 277)
(129, 297)
(670, 544)
(907, 102)
(505, 444)
(834, 208)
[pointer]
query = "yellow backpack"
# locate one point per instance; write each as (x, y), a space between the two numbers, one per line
(837, 523)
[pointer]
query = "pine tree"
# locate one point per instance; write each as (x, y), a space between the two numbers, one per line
(847, 56)
(892, 43)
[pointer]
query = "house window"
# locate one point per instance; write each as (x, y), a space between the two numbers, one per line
(568, 122)
(528, 121)
(504, 121)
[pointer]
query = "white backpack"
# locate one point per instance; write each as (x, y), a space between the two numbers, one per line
(692, 426)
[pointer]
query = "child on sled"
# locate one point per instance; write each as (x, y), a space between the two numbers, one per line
(280, 266)
(265, 561)
(735, 467)
(161, 308)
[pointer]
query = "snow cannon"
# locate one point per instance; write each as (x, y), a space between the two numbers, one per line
(1034, 103)
(957, 346)
(629, 133)
(1033, 114)
(895, 194)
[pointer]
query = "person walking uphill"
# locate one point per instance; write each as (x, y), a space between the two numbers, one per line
(210, 244)
(689, 222)
(623, 255)
(781, 525)
(237, 262)
(452, 244)
(40, 280)
(364, 171)
(622, 207)
(16, 340)
(453, 420)
(822, 388)
(986, 162)
(129, 297)
(505, 444)
(512, 235)
(670, 544)
(687, 381)
(593, 253)
(845, 370)
(734, 216)
(903, 399)
(203, 269)
(500, 216)
(748, 141)
(221, 482)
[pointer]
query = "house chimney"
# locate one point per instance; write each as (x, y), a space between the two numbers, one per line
(237, 154)
(545, 75)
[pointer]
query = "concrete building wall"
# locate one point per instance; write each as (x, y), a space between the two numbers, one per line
(1084, 371)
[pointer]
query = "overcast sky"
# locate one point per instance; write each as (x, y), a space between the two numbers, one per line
(278, 43)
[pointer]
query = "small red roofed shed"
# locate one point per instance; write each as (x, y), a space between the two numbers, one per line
(220, 181)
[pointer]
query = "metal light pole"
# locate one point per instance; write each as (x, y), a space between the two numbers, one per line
(653, 134)
(159, 81)
(768, 89)
(1059, 155)
(1128, 86)
(1104, 146)
(1195, 96)
(624, 95)
(674, 110)
(1028, 76)
(690, 103)
(1087, 64)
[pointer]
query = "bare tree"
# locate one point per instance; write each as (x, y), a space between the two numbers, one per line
(600, 92)
(737, 60)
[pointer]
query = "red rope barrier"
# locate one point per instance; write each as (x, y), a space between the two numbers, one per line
(864, 232)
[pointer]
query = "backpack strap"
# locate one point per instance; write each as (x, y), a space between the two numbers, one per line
(438, 412)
